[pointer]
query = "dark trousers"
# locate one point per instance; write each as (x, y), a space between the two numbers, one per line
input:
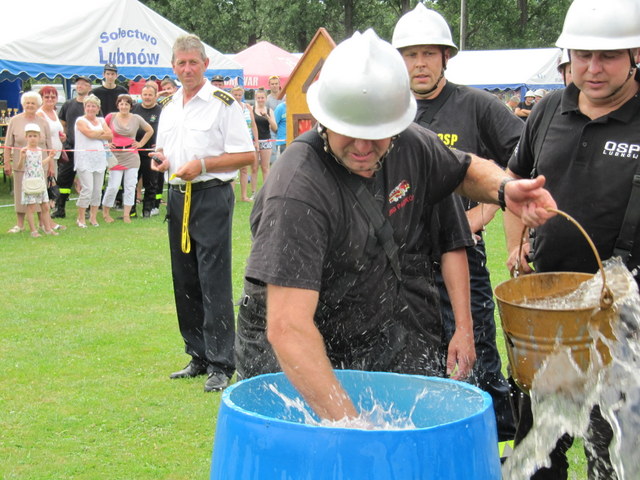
(160, 187)
(150, 183)
(66, 175)
(597, 440)
(487, 373)
(202, 278)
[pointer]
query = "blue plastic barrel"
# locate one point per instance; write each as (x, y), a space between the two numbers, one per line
(259, 438)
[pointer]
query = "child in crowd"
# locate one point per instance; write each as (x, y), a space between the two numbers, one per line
(34, 185)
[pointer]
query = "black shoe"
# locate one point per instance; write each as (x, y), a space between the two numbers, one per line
(146, 214)
(216, 382)
(193, 369)
(58, 214)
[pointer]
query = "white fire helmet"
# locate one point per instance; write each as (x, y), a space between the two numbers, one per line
(564, 60)
(363, 90)
(601, 25)
(422, 26)
(530, 93)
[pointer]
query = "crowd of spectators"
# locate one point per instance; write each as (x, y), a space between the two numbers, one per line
(101, 139)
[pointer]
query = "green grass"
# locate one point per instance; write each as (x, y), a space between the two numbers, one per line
(88, 336)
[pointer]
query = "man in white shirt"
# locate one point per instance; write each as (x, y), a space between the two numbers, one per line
(202, 141)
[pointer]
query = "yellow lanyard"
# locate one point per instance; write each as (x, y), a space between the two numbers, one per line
(185, 238)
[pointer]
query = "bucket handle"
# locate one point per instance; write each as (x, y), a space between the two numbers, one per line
(606, 297)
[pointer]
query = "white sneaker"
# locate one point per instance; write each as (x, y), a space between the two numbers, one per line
(154, 212)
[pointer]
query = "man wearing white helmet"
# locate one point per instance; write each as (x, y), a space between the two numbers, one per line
(564, 67)
(524, 109)
(473, 121)
(585, 140)
(341, 234)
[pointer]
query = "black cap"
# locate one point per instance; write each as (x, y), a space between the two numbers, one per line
(217, 78)
(83, 77)
(110, 66)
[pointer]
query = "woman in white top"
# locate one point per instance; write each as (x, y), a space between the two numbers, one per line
(90, 159)
(48, 111)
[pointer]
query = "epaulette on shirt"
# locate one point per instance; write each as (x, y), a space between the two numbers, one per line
(224, 97)
(165, 101)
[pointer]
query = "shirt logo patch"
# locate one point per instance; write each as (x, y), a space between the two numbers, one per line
(449, 139)
(399, 192)
(400, 196)
(624, 150)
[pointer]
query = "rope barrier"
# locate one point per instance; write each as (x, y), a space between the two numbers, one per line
(85, 150)
(96, 150)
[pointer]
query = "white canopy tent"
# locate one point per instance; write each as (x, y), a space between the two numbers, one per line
(507, 69)
(66, 38)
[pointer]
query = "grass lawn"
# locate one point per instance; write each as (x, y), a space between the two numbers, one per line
(88, 336)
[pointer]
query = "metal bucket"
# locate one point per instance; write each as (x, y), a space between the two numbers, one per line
(258, 437)
(532, 333)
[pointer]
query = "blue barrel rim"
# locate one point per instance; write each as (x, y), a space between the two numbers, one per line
(486, 403)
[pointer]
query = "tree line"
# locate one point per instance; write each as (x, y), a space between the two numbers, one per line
(233, 25)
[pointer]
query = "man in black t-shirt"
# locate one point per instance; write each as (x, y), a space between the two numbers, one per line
(474, 121)
(69, 113)
(108, 92)
(150, 110)
(321, 279)
(524, 108)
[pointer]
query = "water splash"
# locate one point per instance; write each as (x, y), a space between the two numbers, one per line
(376, 416)
(563, 395)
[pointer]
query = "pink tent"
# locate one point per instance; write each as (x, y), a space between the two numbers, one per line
(262, 60)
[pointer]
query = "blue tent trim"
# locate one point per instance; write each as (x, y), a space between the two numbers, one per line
(516, 86)
(39, 71)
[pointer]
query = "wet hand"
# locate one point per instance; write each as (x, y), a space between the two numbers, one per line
(523, 266)
(461, 355)
(530, 201)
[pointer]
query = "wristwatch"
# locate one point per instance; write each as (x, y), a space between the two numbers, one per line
(501, 200)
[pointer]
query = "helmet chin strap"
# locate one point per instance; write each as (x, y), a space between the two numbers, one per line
(437, 84)
(322, 130)
(432, 89)
(629, 75)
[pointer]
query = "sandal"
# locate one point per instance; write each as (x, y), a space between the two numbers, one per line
(57, 227)
(80, 224)
(52, 232)
(35, 234)
(15, 229)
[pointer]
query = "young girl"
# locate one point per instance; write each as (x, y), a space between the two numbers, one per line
(31, 159)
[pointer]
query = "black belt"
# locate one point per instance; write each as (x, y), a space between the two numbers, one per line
(214, 182)
(123, 147)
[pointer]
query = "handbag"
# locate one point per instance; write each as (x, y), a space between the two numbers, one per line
(112, 161)
(33, 185)
(53, 191)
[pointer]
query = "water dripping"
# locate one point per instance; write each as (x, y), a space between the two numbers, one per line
(563, 394)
